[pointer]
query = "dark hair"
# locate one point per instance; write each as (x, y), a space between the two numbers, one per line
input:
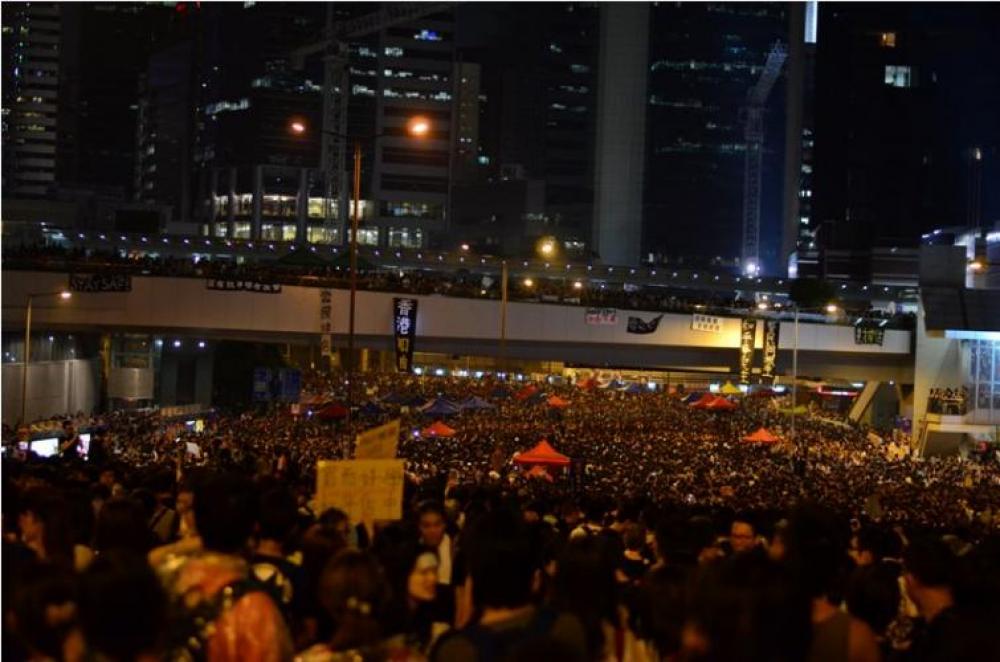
(278, 515)
(53, 512)
(501, 560)
(41, 586)
(873, 595)
(122, 606)
(121, 525)
(585, 585)
(430, 506)
(930, 560)
(224, 511)
(397, 550)
(354, 592)
(817, 551)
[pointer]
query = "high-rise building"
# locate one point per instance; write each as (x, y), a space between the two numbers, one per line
(906, 124)
(703, 60)
(32, 38)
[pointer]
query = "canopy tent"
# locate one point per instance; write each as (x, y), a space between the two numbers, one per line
(332, 412)
(691, 398)
(558, 403)
(588, 384)
(634, 388)
(721, 404)
(538, 471)
(438, 429)
(475, 403)
(526, 392)
(614, 384)
(703, 401)
(544, 454)
(730, 389)
(761, 436)
(442, 407)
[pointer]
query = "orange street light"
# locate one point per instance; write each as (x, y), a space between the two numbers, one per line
(297, 127)
(418, 126)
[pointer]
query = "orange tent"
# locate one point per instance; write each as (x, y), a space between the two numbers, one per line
(538, 471)
(761, 436)
(543, 453)
(588, 384)
(703, 401)
(438, 429)
(526, 392)
(721, 404)
(557, 402)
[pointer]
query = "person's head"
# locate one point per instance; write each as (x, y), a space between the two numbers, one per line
(634, 537)
(502, 562)
(44, 522)
(928, 569)
(107, 478)
(867, 546)
(742, 537)
(336, 520)
(430, 519)
(122, 606)
(44, 608)
(277, 516)
(121, 525)
(224, 512)
(817, 551)
(873, 595)
(354, 592)
(421, 585)
(585, 584)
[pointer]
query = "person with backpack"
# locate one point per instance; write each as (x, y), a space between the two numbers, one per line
(502, 570)
(218, 611)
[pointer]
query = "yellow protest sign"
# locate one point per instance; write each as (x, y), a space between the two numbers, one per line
(378, 443)
(367, 490)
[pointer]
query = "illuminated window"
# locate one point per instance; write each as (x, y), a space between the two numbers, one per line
(888, 39)
(898, 76)
(321, 234)
(394, 51)
(368, 236)
(427, 35)
(406, 237)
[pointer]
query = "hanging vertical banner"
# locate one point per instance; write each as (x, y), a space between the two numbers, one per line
(404, 322)
(771, 330)
(326, 322)
(748, 329)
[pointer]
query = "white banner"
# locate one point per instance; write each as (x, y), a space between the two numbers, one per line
(602, 316)
(708, 323)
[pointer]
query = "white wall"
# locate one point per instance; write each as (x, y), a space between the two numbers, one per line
(54, 388)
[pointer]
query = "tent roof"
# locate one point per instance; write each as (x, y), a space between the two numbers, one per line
(332, 411)
(538, 471)
(442, 407)
(556, 401)
(721, 404)
(730, 389)
(588, 384)
(761, 436)
(704, 401)
(634, 387)
(438, 429)
(542, 453)
(475, 402)
(526, 392)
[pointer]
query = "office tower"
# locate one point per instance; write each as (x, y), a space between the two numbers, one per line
(32, 37)
(703, 60)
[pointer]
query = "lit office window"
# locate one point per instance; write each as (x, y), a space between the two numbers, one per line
(898, 76)
(888, 39)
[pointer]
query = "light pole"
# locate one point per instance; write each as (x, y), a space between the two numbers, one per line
(64, 294)
(417, 127)
(831, 309)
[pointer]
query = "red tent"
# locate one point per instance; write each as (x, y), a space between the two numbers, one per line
(438, 429)
(544, 454)
(538, 471)
(588, 384)
(721, 404)
(526, 392)
(332, 412)
(761, 436)
(704, 401)
(557, 402)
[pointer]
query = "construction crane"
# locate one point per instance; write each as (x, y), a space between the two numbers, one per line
(754, 134)
(335, 50)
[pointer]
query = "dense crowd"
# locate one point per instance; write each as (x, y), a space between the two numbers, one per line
(318, 272)
(668, 537)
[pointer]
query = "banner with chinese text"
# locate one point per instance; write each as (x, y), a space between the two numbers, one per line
(404, 326)
(326, 322)
(601, 316)
(748, 329)
(709, 323)
(771, 330)
(378, 443)
(367, 490)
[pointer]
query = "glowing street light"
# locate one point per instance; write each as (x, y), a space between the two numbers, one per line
(831, 308)
(528, 282)
(297, 127)
(577, 285)
(418, 126)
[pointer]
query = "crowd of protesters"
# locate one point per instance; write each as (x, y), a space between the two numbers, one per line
(446, 282)
(667, 538)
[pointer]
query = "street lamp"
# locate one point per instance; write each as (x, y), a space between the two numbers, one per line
(830, 308)
(64, 295)
(418, 127)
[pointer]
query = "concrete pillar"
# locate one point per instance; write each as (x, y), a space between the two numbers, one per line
(621, 131)
(258, 193)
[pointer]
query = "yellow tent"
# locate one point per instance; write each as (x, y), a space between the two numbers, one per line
(729, 389)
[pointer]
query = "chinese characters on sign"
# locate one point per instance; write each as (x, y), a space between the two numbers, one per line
(242, 285)
(378, 443)
(748, 329)
(771, 329)
(326, 322)
(707, 323)
(404, 327)
(602, 316)
(868, 335)
(367, 490)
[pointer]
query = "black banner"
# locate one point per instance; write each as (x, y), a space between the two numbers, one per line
(748, 329)
(771, 330)
(100, 283)
(404, 323)
(637, 325)
(242, 285)
(868, 335)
